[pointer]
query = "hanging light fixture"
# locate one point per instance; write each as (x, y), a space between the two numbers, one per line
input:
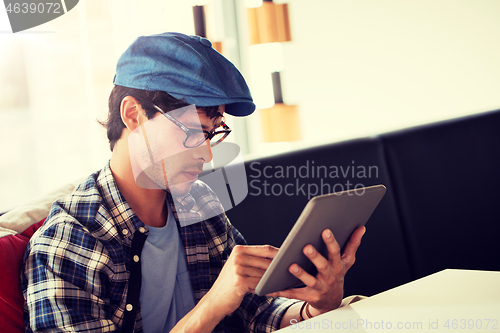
(269, 24)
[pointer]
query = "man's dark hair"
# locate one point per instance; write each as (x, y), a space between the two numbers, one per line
(147, 99)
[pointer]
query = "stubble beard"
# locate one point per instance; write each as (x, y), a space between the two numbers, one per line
(161, 175)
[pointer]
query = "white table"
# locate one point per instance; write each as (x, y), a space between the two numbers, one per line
(447, 301)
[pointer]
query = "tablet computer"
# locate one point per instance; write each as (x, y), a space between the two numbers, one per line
(341, 212)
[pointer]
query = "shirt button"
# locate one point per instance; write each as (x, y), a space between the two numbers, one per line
(136, 258)
(142, 230)
(125, 231)
(129, 307)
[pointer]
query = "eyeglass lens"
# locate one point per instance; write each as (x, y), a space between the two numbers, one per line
(197, 138)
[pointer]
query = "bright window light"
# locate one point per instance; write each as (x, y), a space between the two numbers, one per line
(268, 57)
(262, 89)
(253, 3)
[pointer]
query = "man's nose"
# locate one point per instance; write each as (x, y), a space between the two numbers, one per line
(204, 152)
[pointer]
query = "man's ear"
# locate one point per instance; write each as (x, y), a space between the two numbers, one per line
(132, 113)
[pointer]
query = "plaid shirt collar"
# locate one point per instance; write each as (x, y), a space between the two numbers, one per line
(122, 214)
(187, 210)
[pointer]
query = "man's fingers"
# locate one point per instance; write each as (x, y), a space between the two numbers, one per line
(248, 277)
(246, 271)
(352, 245)
(316, 258)
(332, 246)
(242, 259)
(302, 275)
(298, 293)
(263, 251)
(294, 293)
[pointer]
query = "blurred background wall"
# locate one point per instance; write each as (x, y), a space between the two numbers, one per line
(352, 68)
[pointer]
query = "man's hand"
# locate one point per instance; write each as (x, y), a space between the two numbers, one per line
(324, 291)
(239, 276)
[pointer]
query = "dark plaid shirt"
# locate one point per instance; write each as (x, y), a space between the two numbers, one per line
(80, 273)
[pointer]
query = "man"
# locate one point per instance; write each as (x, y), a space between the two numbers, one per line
(142, 245)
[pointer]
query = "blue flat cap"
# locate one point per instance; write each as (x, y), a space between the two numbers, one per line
(186, 67)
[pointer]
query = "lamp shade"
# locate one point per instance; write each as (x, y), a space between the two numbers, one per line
(269, 23)
(281, 123)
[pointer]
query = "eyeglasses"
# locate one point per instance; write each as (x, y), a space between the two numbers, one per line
(196, 137)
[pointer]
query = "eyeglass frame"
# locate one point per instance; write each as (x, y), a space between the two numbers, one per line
(189, 131)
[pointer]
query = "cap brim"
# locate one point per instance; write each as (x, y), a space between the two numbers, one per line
(238, 107)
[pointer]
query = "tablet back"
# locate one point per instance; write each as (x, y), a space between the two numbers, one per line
(341, 212)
